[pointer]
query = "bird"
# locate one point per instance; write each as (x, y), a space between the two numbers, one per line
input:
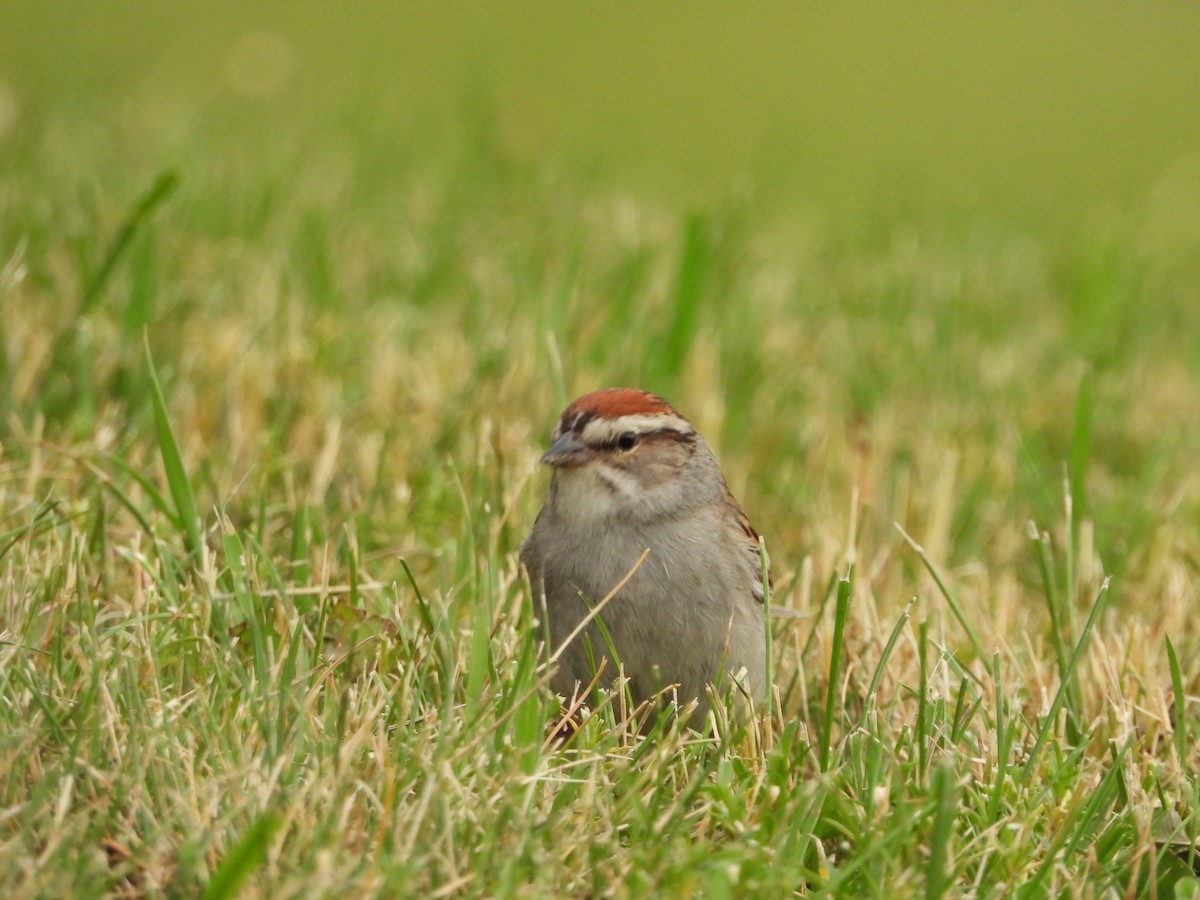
(638, 517)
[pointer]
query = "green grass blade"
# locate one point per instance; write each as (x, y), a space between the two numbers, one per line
(923, 711)
(41, 522)
(1059, 618)
(686, 301)
(247, 855)
(841, 613)
(1081, 447)
(881, 666)
(939, 873)
(435, 630)
(1181, 722)
(1061, 695)
(478, 660)
(1004, 733)
(235, 559)
(172, 461)
(764, 563)
(951, 598)
(164, 186)
(301, 550)
(355, 595)
(156, 497)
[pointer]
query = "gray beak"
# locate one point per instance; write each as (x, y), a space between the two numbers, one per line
(567, 451)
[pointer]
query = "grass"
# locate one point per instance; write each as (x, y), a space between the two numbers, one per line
(268, 436)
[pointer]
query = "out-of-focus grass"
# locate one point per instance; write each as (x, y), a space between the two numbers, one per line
(323, 677)
(845, 109)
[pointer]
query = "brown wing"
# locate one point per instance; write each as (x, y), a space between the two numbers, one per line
(745, 533)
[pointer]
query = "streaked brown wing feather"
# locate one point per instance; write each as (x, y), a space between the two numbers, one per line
(749, 538)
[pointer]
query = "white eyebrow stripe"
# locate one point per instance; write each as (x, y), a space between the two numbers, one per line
(603, 431)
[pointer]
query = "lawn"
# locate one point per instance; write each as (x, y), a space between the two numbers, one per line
(274, 381)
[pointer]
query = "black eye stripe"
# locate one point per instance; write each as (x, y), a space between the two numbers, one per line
(661, 434)
(576, 422)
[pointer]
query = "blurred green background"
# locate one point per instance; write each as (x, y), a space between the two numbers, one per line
(1049, 109)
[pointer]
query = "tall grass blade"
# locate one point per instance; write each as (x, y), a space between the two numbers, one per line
(1004, 733)
(881, 666)
(939, 872)
(1181, 722)
(164, 186)
(841, 613)
(923, 711)
(40, 523)
(172, 461)
(1059, 617)
(246, 856)
(764, 563)
(686, 301)
(235, 559)
(434, 629)
(1081, 446)
(148, 487)
(1061, 695)
(479, 663)
(301, 551)
(951, 598)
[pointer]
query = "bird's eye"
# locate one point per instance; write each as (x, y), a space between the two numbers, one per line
(627, 440)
